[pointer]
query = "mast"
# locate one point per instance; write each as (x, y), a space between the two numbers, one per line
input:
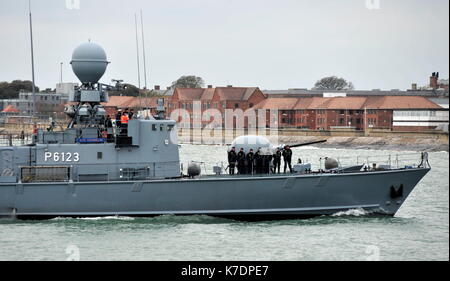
(137, 52)
(60, 78)
(143, 52)
(33, 90)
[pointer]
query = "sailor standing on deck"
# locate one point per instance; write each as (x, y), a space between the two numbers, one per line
(232, 157)
(277, 161)
(287, 157)
(258, 161)
(109, 128)
(124, 123)
(118, 116)
(250, 159)
(241, 161)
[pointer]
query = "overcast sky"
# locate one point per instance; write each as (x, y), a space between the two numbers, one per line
(275, 44)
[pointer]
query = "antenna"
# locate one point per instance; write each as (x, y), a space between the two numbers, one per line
(137, 52)
(33, 90)
(143, 52)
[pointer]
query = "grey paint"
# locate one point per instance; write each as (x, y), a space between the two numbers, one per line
(258, 195)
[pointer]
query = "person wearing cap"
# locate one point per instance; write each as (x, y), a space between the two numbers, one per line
(258, 161)
(232, 157)
(277, 161)
(287, 157)
(118, 116)
(250, 161)
(241, 161)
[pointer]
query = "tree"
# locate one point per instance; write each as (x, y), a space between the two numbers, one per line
(11, 90)
(333, 83)
(125, 90)
(188, 82)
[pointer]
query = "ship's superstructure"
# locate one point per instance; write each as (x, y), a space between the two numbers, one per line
(86, 150)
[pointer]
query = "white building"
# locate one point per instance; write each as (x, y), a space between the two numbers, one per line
(437, 119)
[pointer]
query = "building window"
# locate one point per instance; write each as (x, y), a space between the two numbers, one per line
(320, 111)
(341, 111)
(341, 121)
(358, 121)
(236, 105)
(100, 155)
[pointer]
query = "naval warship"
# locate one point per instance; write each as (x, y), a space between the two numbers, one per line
(81, 171)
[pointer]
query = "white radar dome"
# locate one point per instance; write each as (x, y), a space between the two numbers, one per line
(89, 62)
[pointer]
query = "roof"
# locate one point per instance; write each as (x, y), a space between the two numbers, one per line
(277, 103)
(312, 92)
(208, 94)
(224, 93)
(10, 109)
(404, 102)
(188, 93)
(131, 102)
(235, 93)
(119, 101)
(352, 103)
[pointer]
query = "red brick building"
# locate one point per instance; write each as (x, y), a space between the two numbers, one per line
(203, 105)
(213, 100)
(358, 113)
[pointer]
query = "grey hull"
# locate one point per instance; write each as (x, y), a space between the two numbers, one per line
(238, 196)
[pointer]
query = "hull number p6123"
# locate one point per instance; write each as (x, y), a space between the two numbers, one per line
(62, 156)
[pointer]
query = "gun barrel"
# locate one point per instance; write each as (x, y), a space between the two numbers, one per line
(307, 143)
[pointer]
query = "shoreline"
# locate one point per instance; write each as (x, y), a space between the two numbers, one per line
(373, 143)
(429, 144)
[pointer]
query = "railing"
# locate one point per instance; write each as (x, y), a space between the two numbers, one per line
(15, 139)
(390, 161)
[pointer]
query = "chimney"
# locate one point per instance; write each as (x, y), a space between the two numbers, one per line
(209, 86)
(414, 86)
(434, 80)
(157, 87)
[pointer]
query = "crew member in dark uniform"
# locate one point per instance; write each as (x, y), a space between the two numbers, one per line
(277, 161)
(232, 157)
(241, 161)
(287, 157)
(250, 161)
(258, 161)
(109, 128)
(267, 161)
(118, 116)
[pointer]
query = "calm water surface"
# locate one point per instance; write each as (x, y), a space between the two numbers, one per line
(419, 231)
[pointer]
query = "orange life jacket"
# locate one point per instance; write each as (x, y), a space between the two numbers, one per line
(124, 119)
